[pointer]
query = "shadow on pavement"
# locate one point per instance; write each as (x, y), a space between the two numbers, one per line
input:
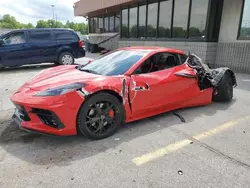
(61, 151)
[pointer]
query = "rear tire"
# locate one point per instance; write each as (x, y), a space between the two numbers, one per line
(66, 58)
(224, 89)
(94, 119)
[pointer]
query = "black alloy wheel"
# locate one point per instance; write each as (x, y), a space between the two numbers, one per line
(100, 116)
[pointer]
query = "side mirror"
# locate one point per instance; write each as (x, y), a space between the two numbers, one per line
(1, 42)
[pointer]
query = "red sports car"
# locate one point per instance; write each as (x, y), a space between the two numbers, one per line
(125, 85)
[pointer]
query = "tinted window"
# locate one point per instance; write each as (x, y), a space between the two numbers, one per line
(158, 62)
(101, 28)
(40, 36)
(152, 19)
(65, 35)
(183, 58)
(165, 19)
(245, 24)
(198, 18)
(15, 38)
(180, 18)
(95, 25)
(117, 22)
(106, 24)
(91, 25)
(116, 63)
(125, 23)
(142, 21)
(111, 24)
(133, 22)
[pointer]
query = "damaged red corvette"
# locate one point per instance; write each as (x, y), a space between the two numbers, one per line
(123, 86)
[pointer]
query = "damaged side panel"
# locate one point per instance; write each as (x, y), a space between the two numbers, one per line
(218, 74)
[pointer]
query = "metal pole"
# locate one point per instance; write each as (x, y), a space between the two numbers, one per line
(53, 6)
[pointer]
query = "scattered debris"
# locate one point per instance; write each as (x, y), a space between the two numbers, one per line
(180, 172)
(6, 89)
(179, 116)
(72, 178)
(244, 131)
(117, 139)
(120, 151)
(134, 181)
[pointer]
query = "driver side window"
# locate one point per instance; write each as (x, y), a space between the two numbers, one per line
(15, 38)
(158, 62)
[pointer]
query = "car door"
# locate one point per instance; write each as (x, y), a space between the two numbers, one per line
(43, 46)
(164, 89)
(15, 51)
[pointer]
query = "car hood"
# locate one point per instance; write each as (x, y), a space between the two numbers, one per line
(59, 76)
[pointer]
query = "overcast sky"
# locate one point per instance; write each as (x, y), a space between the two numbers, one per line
(27, 11)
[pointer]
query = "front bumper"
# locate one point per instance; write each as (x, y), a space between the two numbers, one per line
(48, 115)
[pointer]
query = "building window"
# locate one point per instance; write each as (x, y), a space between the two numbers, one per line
(101, 29)
(181, 10)
(176, 19)
(111, 24)
(198, 19)
(106, 24)
(142, 21)
(90, 25)
(164, 30)
(117, 22)
(95, 25)
(152, 20)
(125, 23)
(133, 22)
(245, 23)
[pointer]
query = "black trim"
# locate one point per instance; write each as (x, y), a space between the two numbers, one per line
(158, 19)
(185, 75)
(172, 20)
(138, 14)
(46, 116)
(189, 17)
(128, 22)
(120, 23)
(146, 24)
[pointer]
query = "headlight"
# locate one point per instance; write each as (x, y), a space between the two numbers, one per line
(61, 90)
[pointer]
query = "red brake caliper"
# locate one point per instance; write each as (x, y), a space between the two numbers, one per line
(111, 113)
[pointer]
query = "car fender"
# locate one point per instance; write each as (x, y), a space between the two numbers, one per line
(218, 74)
(64, 49)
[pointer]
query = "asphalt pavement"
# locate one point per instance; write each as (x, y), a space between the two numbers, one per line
(210, 149)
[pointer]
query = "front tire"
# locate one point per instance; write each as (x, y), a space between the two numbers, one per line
(224, 91)
(66, 58)
(100, 116)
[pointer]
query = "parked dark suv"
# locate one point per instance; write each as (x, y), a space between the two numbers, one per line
(31, 46)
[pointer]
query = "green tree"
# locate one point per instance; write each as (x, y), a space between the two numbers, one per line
(42, 24)
(9, 22)
(27, 26)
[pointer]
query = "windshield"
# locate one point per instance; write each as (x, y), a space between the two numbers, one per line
(116, 63)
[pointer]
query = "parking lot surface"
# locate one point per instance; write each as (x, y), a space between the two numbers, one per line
(210, 149)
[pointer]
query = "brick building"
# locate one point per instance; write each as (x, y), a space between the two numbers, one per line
(216, 30)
